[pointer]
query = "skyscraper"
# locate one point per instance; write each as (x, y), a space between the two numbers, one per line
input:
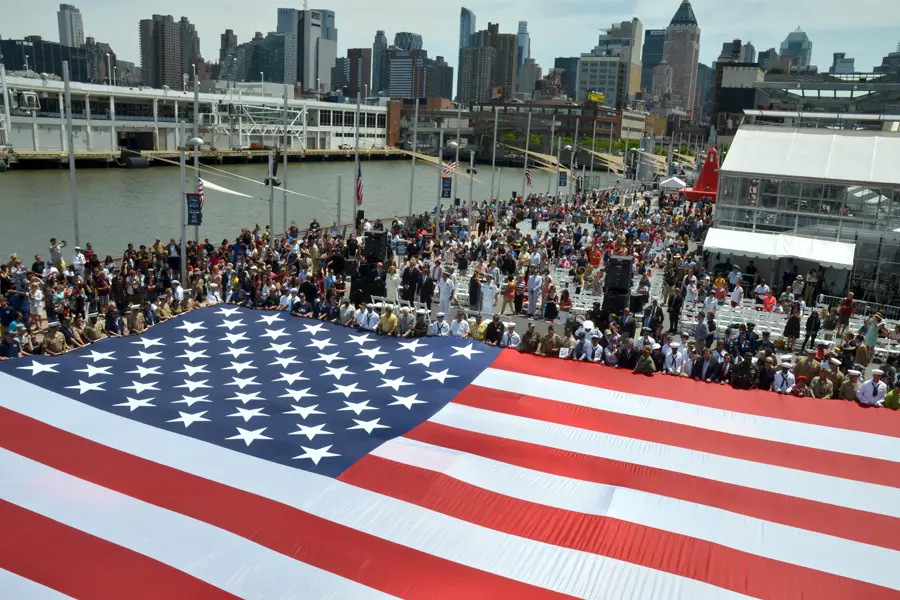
(340, 76)
(682, 53)
(524, 40)
(439, 79)
(227, 44)
(569, 79)
(190, 45)
(71, 26)
(748, 53)
(161, 58)
(475, 70)
(359, 71)
(613, 67)
(466, 29)
(381, 78)
(313, 45)
(266, 55)
(529, 73)
(798, 47)
(406, 40)
(408, 73)
(652, 54)
(505, 63)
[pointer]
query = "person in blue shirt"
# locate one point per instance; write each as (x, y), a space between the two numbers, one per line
(114, 326)
(302, 308)
(9, 347)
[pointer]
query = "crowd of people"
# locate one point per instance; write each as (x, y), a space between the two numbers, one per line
(532, 256)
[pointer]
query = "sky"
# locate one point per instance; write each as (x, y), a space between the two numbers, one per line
(866, 30)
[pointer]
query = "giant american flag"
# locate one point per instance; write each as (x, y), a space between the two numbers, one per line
(237, 453)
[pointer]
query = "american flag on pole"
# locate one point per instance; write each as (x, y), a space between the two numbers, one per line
(528, 181)
(451, 167)
(359, 184)
(236, 453)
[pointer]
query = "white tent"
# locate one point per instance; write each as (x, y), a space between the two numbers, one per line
(755, 244)
(672, 183)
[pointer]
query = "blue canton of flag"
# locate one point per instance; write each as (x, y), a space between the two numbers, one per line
(304, 393)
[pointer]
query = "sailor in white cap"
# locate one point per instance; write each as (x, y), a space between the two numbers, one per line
(440, 327)
(873, 391)
(177, 292)
(78, 262)
(371, 318)
(586, 328)
(212, 296)
(510, 338)
(674, 362)
(489, 292)
(784, 379)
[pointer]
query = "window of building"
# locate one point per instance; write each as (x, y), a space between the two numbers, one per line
(325, 117)
(370, 120)
(381, 121)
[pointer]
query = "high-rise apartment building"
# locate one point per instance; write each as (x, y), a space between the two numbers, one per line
(466, 29)
(340, 76)
(505, 66)
(767, 57)
(524, 42)
(682, 54)
(190, 45)
(227, 44)
(475, 71)
(408, 71)
(381, 74)
(263, 54)
(359, 71)
(613, 67)
(439, 75)
(569, 77)
(653, 53)
(529, 73)
(798, 47)
(706, 83)
(748, 53)
(662, 81)
(406, 40)
(71, 26)
(161, 56)
(313, 41)
(98, 64)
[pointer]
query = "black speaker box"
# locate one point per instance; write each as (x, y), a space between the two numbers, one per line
(618, 273)
(376, 245)
(615, 303)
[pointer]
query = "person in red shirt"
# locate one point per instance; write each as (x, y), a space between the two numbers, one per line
(845, 311)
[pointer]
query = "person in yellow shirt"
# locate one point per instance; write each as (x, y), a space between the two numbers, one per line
(892, 399)
(720, 283)
(478, 329)
(387, 325)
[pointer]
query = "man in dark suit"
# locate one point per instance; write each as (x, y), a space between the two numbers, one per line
(723, 370)
(410, 280)
(426, 288)
(628, 324)
(675, 305)
(705, 368)
(628, 355)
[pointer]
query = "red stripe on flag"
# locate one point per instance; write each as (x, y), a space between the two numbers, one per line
(372, 561)
(701, 560)
(868, 528)
(81, 565)
(813, 411)
(813, 460)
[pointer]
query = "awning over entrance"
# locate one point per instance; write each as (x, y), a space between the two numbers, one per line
(756, 244)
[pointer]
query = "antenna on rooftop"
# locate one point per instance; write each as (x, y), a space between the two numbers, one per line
(305, 5)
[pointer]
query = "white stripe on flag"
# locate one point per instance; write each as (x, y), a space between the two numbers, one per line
(792, 482)
(790, 545)
(169, 537)
(15, 587)
(585, 575)
(845, 441)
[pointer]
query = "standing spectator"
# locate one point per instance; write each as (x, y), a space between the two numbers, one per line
(56, 258)
(792, 327)
(845, 311)
(813, 324)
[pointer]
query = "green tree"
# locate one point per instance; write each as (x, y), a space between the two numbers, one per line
(509, 137)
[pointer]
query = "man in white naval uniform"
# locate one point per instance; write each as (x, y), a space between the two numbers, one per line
(440, 327)
(535, 282)
(873, 391)
(445, 290)
(784, 380)
(488, 295)
(674, 361)
(510, 339)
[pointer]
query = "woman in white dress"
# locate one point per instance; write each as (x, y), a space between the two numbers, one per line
(393, 283)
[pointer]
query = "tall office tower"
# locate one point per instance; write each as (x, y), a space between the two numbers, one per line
(161, 57)
(227, 44)
(406, 40)
(340, 76)
(408, 72)
(71, 26)
(439, 78)
(359, 75)
(766, 57)
(798, 46)
(682, 54)
(381, 76)
(312, 45)
(466, 29)
(748, 53)
(475, 71)
(653, 53)
(524, 43)
(190, 45)
(613, 67)
(569, 79)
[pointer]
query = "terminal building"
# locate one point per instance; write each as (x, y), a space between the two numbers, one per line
(824, 190)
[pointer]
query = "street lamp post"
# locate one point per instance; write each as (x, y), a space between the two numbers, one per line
(194, 142)
(456, 158)
(494, 150)
(412, 165)
(70, 146)
(559, 149)
(196, 147)
(471, 174)
(109, 74)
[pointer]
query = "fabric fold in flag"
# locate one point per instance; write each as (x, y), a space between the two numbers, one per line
(323, 461)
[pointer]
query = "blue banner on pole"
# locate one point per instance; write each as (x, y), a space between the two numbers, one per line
(562, 179)
(446, 187)
(194, 208)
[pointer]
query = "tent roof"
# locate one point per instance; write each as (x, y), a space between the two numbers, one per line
(755, 244)
(672, 182)
(867, 158)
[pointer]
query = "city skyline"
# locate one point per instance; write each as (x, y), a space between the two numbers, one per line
(830, 30)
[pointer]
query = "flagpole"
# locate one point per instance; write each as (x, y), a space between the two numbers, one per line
(572, 160)
(412, 166)
(70, 149)
(612, 126)
(458, 143)
(471, 174)
(494, 150)
(552, 139)
(182, 202)
(271, 198)
(558, 154)
(593, 146)
(196, 148)
(440, 168)
(284, 176)
(339, 211)
(358, 170)
(525, 162)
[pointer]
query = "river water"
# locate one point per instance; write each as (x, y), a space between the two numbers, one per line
(118, 206)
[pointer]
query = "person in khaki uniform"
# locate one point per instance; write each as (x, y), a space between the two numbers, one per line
(163, 312)
(849, 388)
(835, 376)
(807, 366)
(54, 341)
(821, 387)
(551, 343)
(531, 340)
(92, 333)
(135, 321)
(645, 364)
